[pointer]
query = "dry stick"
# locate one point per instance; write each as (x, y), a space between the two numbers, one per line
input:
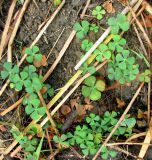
(9, 54)
(85, 9)
(35, 41)
(127, 143)
(140, 40)
(66, 45)
(120, 120)
(69, 93)
(49, 142)
(48, 114)
(104, 35)
(144, 148)
(141, 28)
(125, 152)
(7, 25)
(148, 7)
(136, 136)
(48, 23)
(55, 43)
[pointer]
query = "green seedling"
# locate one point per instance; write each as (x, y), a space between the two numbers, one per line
(33, 107)
(81, 28)
(93, 88)
(102, 52)
(106, 153)
(33, 54)
(89, 137)
(94, 28)
(61, 140)
(86, 45)
(49, 91)
(145, 76)
(117, 44)
(29, 145)
(124, 59)
(98, 12)
(9, 70)
(120, 22)
(123, 69)
(85, 68)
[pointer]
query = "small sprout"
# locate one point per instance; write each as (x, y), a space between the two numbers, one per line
(81, 28)
(9, 70)
(117, 44)
(102, 52)
(93, 88)
(86, 45)
(61, 140)
(85, 68)
(120, 22)
(145, 76)
(94, 28)
(98, 12)
(33, 107)
(33, 54)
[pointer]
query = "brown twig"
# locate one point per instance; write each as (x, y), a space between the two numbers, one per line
(55, 43)
(125, 152)
(47, 112)
(66, 45)
(7, 25)
(9, 54)
(85, 9)
(141, 28)
(120, 120)
(49, 142)
(140, 40)
(136, 136)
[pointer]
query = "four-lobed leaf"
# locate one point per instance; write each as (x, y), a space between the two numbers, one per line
(86, 45)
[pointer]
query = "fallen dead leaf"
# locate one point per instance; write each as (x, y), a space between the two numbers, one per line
(123, 2)
(141, 114)
(81, 110)
(65, 109)
(73, 103)
(87, 100)
(43, 62)
(2, 128)
(120, 103)
(109, 7)
(88, 107)
(141, 123)
(43, 90)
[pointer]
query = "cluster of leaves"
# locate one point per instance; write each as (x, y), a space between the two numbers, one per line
(29, 79)
(28, 145)
(83, 28)
(122, 67)
(120, 22)
(33, 107)
(89, 136)
(145, 76)
(92, 88)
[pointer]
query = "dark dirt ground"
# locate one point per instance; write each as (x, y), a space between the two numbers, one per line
(66, 18)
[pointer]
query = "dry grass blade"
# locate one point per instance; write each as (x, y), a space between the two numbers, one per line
(136, 136)
(120, 120)
(7, 25)
(141, 28)
(85, 9)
